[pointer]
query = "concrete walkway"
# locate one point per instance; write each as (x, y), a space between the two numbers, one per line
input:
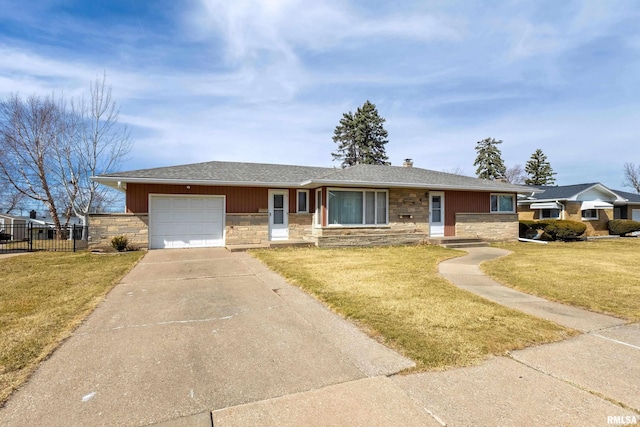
(465, 273)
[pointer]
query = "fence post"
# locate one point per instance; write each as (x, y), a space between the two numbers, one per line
(30, 237)
(73, 236)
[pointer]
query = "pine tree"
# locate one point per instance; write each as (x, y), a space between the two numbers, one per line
(539, 170)
(489, 160)
(361, 137)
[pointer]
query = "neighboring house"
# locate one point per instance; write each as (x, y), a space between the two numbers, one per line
(593, 204)
(12, 227)
(225, 203)
(43, 228)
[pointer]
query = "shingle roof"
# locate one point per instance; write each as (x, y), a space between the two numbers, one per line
(261, 174)
(411, 176)
(226, 172)
(631, 197)
(562, 192)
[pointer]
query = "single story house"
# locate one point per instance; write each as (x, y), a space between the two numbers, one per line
(12, 227)
(593, 204)
(227, 203)
(42, 228)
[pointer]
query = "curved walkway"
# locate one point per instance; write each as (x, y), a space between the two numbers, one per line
(465, 273)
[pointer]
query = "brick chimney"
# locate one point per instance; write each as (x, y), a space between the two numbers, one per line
(407, 163)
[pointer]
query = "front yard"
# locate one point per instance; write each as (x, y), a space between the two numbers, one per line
(43, 297)
(601, 275)
(396, 294)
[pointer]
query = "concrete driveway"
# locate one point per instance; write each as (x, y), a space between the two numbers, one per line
(191, 331)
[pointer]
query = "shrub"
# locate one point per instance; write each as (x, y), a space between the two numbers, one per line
(530, 227)
(119, 243)
(536, 225)
(621, 227)
(564, 229)
(524, 227)
(530, 230)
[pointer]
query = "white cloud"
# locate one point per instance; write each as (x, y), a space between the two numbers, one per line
(267, 80)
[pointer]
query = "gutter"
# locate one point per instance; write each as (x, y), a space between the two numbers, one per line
(120, 183)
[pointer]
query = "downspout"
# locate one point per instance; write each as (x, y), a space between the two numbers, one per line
(562, 213)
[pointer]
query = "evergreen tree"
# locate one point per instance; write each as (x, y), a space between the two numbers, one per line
(489, 160)
(539, 170)
(361, 138)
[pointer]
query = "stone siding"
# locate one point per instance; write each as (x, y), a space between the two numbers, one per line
(408, 208)
(247, 228)
(104, 227)
(371, 239)
(488, 226)
(300, 226)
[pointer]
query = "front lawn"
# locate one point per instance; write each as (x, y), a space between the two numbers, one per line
(397, 296)
(43, 297)
(599, 275)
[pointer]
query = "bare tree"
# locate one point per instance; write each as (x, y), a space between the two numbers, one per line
(29, 133)
(455, 170)
(515, 175)
(10, 198)
(632, 176)
(48, 152)
(97, 145)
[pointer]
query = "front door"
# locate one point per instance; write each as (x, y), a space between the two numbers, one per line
(436, 213)
(278, 214)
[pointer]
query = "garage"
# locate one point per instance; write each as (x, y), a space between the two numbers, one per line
(635, 214)
(186, 221)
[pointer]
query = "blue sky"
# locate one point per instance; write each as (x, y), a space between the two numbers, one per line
(268, 80)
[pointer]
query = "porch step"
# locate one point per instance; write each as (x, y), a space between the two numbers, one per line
(465, 245)
(272, 245)
(457, 242)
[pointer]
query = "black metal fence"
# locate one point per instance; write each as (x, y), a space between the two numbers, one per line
(32, 237)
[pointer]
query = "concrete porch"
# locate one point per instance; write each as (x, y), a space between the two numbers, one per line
(272, 245)
(453, 242)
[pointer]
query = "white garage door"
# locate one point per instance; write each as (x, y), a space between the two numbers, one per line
(186, 222)
(635, 214)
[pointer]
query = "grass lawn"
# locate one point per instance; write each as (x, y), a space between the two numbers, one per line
(43, 297)
(600, 275)
(397, 296)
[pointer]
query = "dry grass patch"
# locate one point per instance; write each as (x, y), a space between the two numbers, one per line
(396, 294)
(43, 297)
(600, 275)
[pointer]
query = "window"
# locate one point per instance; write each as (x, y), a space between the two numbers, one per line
(319, 206)
(357, 207)
(549, 213)
(502, 203)
(590, 214)
(303, 201)
(436, 209)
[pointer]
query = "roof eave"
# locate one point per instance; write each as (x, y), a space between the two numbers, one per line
(557, 199)
(114, 182)
(367, 184)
